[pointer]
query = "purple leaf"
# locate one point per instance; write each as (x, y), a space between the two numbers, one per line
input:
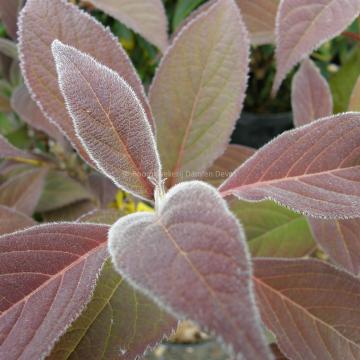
(102, 116)
(303, 25)
(103, 189)
(146, 17)
(12, 220)
(29, 112)
(9, 151)
(48, 274)
(23, 191)
(310, 96)
(43, 21)
(198, 90)
(203, 272)
(8, 13)
(313, 169)
(311, 307)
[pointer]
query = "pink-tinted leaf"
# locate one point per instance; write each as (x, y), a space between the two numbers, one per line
(311, 307)
(197, 93)
(29, 112)
(259, 17)
(103, 189)
(118, 323)
(23, 192)
(303, 25)
(314, 169)
(101, 216)
(102, 116)
(340, 240)
(146, 17)
(7, 150)
(203, 272)
(43, 21)
(8, 13)
(48, 273)
(12, 220)
(222, 168)
(355, 97)
(311, 96)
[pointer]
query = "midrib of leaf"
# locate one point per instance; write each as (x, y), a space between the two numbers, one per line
(286, 299)
(148, 187)
(343, 238)
(289, 178)
(101, 309)
(172, 178)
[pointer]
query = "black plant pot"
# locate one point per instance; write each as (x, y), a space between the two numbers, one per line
(256, 130)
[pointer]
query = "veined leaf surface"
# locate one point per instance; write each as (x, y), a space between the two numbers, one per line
(12, 220)
(303, 25)
(48, 273)
(198, 90)
(314, 169)
(43, 21)
(311, 307)
(310, 95)
(109, 120)
(146, 17)
(195, 263)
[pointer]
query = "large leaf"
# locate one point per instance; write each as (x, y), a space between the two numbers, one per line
(194, 262)
(102, 116)
(303, 25)
(29, 112)
(43, 21)
(48, 273)
(12, 220)
(118, 323)
(198, 90)
(314, 169)
(23, 191)
(223, 167)
(7, 150)
(354, 104)
(8, 14)
(310, 96)
(101, 216)
(259, 17)
(61, 190)
(311, 307)
(272, 230)
(146, 17)
(340, 239)
(183, 9)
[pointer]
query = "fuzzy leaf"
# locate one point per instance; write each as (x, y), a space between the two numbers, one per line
(146, 17)
(48, 273)
(101, 216)
(8, 13)
(118, 323)
(355, 97)
(43, 21)
(7, 150)
(222, 168)
(29, 112)
(340, 240)
(12, 220)
(198, 90)
(314, 169)
(61, 190)
(102, 117)
(103, 189)
(310, 96)
(259, 17)
(272, 230)
(203, 272)
(23, 191)
(311, 307)
(304, 25)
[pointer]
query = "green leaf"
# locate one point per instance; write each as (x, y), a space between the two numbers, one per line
(182, 10)
(118, 323)
(61, 190)
(274, 231)
(343, 82)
